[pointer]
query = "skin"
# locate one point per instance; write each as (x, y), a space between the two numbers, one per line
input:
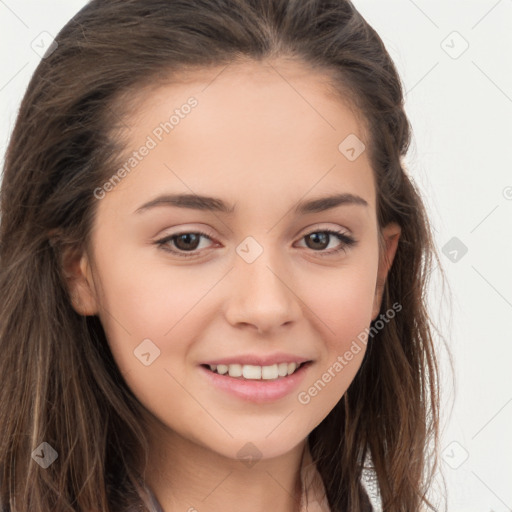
(258, 144)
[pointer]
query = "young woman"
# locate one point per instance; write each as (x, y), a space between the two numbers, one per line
(213, 268)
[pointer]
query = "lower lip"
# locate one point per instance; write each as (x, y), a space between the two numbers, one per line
(257, 391)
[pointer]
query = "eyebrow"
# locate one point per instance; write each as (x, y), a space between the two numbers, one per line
(213, 204)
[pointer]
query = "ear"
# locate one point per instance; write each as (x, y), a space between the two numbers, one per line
(387, 250)
(77, 273)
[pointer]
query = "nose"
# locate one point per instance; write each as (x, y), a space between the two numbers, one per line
(262, 295)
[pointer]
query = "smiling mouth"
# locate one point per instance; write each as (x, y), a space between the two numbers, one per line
(254, 372)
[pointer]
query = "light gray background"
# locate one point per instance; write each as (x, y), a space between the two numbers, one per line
(460, 106)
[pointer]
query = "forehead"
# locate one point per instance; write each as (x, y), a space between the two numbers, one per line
(259, 127)
(294, 84)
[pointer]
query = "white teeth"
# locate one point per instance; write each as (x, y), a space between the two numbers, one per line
(282, 369)
(251, 372)
(269, 372)
(235, 370)
(254, 372)
(222, 369)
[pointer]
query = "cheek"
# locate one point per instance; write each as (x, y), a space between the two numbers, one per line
(343, 300)
(147, 297)
(150, 323)
(343, 306)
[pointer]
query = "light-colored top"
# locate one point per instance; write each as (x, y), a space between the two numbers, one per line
(314, 498)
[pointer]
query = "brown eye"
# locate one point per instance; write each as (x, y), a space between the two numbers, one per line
(184, 244)
(318, 241)
(187, 241)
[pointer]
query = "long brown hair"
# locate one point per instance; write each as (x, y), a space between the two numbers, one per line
(60, 383)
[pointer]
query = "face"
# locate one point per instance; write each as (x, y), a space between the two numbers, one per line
(262, 275)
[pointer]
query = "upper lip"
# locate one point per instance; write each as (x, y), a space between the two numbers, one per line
(259, 360)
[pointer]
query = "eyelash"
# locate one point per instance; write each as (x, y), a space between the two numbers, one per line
(346, 240)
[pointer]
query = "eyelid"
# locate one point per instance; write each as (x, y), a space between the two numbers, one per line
(186, 230)
(321, 226)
